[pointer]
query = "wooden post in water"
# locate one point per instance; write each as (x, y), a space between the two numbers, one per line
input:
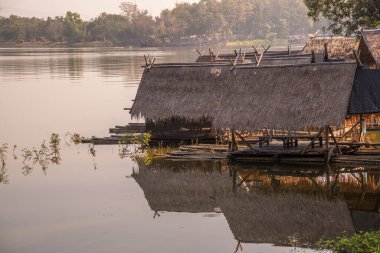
(233, 141)
(335, 141)
(362, 126)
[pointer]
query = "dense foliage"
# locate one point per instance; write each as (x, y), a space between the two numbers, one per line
(226, 19)
(368, 242)
(346, 16)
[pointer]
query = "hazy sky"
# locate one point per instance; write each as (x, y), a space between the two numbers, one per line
(87, 8)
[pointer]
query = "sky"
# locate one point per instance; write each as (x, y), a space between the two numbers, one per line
(86, 8)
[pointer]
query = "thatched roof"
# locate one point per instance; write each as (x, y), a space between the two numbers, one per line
(279, 97)
(337, 47)
(370, 47)
(365, 95)
(271, 217)
(267, 59)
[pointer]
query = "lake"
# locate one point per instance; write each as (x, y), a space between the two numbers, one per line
(87, 200)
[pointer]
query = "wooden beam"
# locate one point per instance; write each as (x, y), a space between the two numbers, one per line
(312, 56)
(312, 142)
(362, 122)
(146, 61)
(311, 40)
(244, 179)
(335, 142)
(257, 59)
(233, 141)
(358, 61)
(326, 55)
(245, 142)
(256, 51)
(352, 128)
(261, 57)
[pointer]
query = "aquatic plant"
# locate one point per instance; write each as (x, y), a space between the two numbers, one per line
(43, 156)
(135, 146)
(3, 151)
(368, 242)
(3, 171)
(73, 138)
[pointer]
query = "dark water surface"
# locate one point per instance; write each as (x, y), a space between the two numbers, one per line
(86, 203)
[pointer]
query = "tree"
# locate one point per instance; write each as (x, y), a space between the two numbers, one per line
(129, 9)
(54, 29)
(346, 16)
(142, 23)
(74, 27)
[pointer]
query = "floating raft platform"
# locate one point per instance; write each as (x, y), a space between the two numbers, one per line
(274, 154)
(130, 128)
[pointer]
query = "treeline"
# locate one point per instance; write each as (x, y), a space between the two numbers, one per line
(208, 19)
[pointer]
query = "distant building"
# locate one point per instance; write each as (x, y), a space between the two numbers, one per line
(369, 48)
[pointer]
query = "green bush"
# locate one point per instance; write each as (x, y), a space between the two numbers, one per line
(368, 242)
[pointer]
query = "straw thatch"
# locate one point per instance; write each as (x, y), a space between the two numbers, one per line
(278, 97)
(273, 217)
(337, 47)
(365, 95)
(369, 48)
(268, 59)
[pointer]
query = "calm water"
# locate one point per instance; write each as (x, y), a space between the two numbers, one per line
(90, 203)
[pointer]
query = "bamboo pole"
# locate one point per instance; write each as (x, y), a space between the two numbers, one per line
(233, 141)
(335, 142)
(352, 128)
(358, 61)
(244, 141)
(362, 122)
(326, 57)
(312, 57)
(312, 141)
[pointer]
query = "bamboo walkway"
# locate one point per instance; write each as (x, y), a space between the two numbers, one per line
(274, 153)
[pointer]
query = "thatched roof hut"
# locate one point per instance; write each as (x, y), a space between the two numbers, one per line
(365, 95)
(337, 47)
(288, 97)
(272, 217)
(369, 48)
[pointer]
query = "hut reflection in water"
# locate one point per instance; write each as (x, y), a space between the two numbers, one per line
(265, 203)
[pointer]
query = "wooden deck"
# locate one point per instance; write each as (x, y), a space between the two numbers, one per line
(274, 154)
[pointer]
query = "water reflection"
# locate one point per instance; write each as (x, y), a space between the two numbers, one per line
(265, 203)
(74, 63)
(75, 67)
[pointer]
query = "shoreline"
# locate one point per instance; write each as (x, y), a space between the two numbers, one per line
(110, 44)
